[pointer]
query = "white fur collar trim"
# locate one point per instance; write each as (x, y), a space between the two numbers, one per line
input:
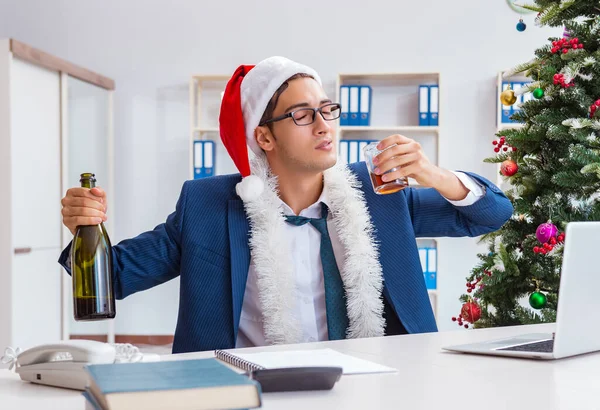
(361, 273)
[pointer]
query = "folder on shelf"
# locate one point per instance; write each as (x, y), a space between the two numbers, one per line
(361, 153)
(204, 159)
(428, 258)
(345, 102)
(343, 152)
(431, 279)
(365, 105)
(209, 158)
(352, 150)
(424, 105)
(354, 105)
(506, 109)
(516, 107)
(434, 103)
(198, 160)
(353, 155)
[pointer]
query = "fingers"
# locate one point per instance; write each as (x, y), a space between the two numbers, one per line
(403, 172)
(83, 202)
(409, 146)
(82, 211)
(83, 206)
(96, 194)
(391, 140)
(397, 162)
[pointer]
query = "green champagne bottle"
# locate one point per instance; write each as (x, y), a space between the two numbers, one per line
(91, 267)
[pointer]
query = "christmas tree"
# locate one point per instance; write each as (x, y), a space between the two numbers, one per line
(552, 164)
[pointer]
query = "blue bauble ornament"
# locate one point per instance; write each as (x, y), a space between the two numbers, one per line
(521, 26)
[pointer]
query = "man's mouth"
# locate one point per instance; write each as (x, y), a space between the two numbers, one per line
(327, 144)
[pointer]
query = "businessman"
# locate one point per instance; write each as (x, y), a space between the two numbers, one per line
(296, 247)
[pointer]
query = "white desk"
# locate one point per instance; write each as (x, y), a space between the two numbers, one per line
(428, 378)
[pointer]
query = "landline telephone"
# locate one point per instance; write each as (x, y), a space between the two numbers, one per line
(62, 364)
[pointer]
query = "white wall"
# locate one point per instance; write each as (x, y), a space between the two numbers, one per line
(151, 48)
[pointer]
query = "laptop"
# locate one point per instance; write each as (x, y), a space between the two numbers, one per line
(575, 332)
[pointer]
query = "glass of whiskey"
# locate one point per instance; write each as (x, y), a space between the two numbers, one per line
(379, 186)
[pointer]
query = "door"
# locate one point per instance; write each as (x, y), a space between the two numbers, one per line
(36, 219)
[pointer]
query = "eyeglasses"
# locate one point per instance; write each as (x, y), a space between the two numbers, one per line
(306, 116)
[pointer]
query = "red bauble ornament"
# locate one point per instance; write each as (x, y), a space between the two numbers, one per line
(509, 168)
(470, 312)
(594, 108)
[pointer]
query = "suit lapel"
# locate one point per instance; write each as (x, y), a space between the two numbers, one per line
(240, 256)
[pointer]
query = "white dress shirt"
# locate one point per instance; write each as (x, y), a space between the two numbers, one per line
(305, 247)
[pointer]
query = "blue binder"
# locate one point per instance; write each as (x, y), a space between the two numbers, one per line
(343, 151)
(354, 105)
(506, 109)
(352, 150)
(365, 105)
(209, 158)
(434, 104)
(428, 257)
(345, 103)
(204, 159)
(353, 153)
(424, 116)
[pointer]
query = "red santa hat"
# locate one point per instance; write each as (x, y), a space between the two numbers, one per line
(246, 97)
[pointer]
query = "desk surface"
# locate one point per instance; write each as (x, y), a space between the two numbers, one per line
(428, 378)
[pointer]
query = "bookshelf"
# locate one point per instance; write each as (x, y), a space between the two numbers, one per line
(205, 104)
(395, 110)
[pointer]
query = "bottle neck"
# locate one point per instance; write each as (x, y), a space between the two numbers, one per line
(88, 183)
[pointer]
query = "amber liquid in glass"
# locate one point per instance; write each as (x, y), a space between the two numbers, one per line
(390, 187)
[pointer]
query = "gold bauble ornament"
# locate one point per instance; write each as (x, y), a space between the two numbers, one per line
(508, 97)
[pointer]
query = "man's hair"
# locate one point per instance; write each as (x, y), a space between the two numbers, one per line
(268, 114)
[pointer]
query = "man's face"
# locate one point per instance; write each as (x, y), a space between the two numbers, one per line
(308, 148)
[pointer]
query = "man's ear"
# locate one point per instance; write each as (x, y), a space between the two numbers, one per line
(264, 138)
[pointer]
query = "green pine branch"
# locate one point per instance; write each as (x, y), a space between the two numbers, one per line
(558, 179)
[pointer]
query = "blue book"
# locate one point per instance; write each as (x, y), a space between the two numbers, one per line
(507, 110)
(345, 102)
(204, 159)
(434, 103)
(428, 257)
(182, 384)
(365, 105)
(91, 403)
(424, 114)
(353, 109)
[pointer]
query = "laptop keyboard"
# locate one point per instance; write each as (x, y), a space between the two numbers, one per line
(545, 346)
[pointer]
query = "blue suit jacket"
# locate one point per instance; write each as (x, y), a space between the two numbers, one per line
(205, 242)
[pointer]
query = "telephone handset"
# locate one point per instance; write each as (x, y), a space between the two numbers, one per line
(62, 364)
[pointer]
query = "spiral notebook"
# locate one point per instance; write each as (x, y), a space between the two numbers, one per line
(301, 358)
